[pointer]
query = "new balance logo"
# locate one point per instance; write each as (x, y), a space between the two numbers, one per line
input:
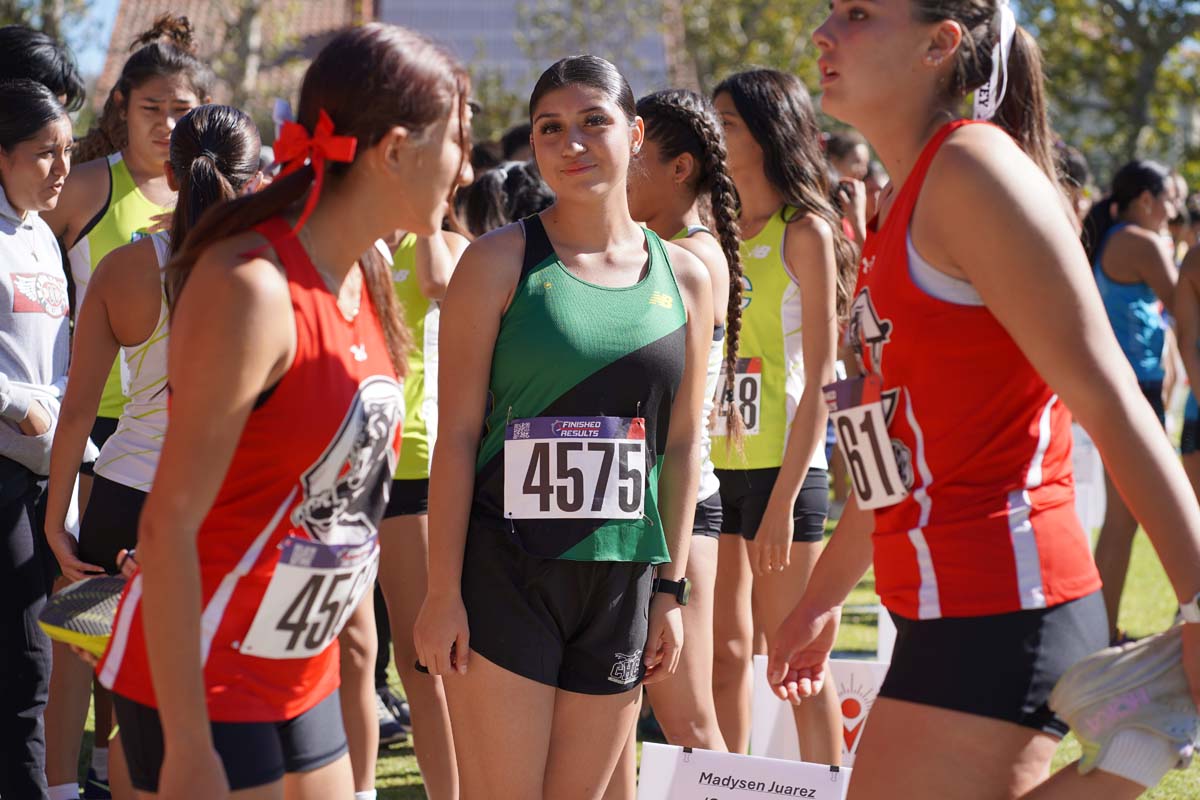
(660, 299)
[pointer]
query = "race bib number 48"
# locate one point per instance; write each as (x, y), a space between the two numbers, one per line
(575, 468)
(312, 594)
(856, 410)
(747, 397)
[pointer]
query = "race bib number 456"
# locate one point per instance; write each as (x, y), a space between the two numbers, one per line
(856, 410)
(312, 594)
(575, 468)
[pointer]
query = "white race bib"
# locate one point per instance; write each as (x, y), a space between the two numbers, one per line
(747, 397)
(312, 594)
(575, 468)
(860, 423)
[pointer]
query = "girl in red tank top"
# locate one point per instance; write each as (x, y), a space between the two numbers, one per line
(977, 326)
(258, 538)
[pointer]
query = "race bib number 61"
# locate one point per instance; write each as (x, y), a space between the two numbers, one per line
(312, 594)
(575, 468)
(862, 437)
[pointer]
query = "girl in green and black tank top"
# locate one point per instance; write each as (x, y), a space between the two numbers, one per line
(579, 342)
(774, 488)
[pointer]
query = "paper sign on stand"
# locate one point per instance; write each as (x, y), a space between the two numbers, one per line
(773, 728)
(677, 773)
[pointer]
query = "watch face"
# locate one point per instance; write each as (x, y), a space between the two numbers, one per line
(685, 591)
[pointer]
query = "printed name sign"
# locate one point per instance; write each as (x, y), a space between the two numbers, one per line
(678, 773)
(773, 728)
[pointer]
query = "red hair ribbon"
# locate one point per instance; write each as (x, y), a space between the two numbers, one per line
(295, 146)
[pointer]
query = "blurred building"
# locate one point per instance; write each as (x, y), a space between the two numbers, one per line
(488, 35)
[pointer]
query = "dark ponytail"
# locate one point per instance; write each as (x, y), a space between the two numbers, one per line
(681, 121)
(779, 114)
(1128, 185)
(214, 154)
(167, 48)
(368, 80)
(1023, 111)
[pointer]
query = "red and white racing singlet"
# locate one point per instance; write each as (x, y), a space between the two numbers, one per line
(290, 544)
(985, 520)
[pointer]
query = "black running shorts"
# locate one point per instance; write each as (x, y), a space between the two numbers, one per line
(253, 753)
(1189, 439)
(1001, 666)
(745, 493)
(408, 498)
(102, 428)
(1153, 392)
(110, 523)
(575, 625)
(707, 521)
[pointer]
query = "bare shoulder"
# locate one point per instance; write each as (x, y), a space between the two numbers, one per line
(83, 195)
(690, 272)
(496, 256)
(1134, 243)
(705, 247)
(809, 242)
(456, 242)
(237, 275)
(129, 268)
(983, 158)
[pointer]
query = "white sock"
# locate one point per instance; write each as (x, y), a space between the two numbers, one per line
(367, 795)
(100, 762)
(64, 791)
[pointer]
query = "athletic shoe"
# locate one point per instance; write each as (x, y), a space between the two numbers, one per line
(398, 706)
(94, 788)
(1139, 686)
(390, 731)
(82, 614)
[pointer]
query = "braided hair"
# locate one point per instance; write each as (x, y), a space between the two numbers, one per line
(681, 121)
(167, 48)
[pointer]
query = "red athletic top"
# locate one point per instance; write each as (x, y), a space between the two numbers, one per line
(983, 444)
(290, 541)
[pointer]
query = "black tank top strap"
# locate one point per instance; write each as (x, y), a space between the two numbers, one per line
(537, 243)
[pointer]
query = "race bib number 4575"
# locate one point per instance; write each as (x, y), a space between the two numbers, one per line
(312, 594)
(575, 468)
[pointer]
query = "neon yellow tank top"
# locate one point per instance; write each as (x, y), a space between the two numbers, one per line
(420, 385)
(124, 220)
(770, 376)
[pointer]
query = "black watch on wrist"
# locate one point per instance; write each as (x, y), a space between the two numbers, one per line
(681, 589)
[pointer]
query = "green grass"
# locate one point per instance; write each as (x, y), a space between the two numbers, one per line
(1148, 606)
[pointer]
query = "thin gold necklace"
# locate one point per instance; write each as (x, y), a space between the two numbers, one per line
(353, 281)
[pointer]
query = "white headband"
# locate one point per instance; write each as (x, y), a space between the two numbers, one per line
(988, 98)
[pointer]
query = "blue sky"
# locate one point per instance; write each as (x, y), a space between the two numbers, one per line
(89, 39)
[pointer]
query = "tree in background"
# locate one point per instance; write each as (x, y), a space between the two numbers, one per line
(1122, 77)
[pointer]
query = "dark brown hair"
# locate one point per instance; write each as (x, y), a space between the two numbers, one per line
(214, 154)
(682, 121)
(1023, 111)
(167, 48)
(779, 114)
(586, 70)
(368, 80)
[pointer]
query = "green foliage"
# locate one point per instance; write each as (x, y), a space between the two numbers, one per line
(1122, 77)
(724, 36)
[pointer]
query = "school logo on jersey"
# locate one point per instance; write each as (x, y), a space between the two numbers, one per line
(627, 668)
(346, 489)
(868, 333)
(747, 289)
(39, 293)
(903, 463)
